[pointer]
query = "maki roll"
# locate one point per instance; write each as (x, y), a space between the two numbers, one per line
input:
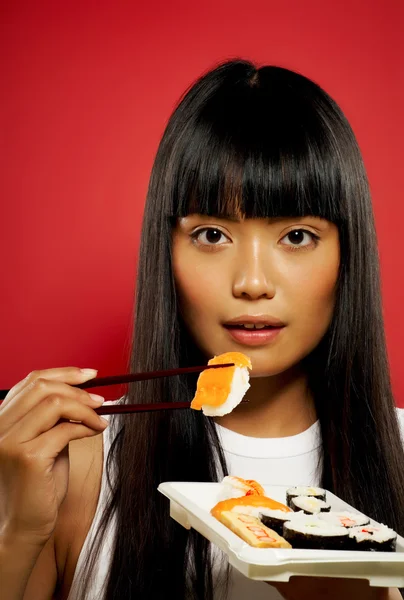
(376, 538)
(219, 391)
(275, 519)
(314, 492)
(310, 505)
(344, 519)
(311, 533)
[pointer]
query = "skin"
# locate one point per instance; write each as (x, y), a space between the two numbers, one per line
(227, 268)
(50, 474)
(255, 269)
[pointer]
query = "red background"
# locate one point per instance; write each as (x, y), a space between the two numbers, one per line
(86, 90)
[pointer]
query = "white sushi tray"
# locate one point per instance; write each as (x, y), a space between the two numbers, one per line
(190, 505)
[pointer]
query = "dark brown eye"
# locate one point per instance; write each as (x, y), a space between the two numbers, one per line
(210, 237)
(300, 238)
(296, 237)
(213, 236)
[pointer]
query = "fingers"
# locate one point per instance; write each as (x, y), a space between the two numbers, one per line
(70, 375)
(34, 393)
(45, 415)
(51, 443)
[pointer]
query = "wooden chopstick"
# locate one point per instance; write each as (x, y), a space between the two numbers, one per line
(134, 408)
(115, 379)
(130, 377)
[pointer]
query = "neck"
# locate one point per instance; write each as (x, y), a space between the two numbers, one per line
(278, 406)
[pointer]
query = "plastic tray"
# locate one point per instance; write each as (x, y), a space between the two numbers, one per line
(190, 505)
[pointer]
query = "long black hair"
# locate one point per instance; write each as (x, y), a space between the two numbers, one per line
(261, 142)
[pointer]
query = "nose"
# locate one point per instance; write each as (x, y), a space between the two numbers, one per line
(252, 279)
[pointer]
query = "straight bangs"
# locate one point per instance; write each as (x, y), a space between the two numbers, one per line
(257, 148)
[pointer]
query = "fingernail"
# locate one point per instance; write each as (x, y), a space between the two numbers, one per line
(98, 399)
(104, 421)
(89, 372)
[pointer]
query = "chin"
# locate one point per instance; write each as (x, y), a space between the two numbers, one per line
(257, 373)
(265, 370)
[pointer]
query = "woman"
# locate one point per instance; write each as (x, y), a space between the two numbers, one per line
(258, 236)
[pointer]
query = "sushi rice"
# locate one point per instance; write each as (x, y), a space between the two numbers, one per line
(219, 391)
(344, 519)
(301, 490)
(254, 511)
(309, 504)
(239, 386)
(379, 538)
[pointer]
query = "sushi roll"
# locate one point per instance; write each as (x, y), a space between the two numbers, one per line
(311, 533)
(344, 519)
(310, 505)
(275, 519)
(219, 391)
(315, 492)
(376, 538)
(236, 487)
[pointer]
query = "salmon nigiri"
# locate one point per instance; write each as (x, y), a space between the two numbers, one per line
(219, 391)
(248, 505)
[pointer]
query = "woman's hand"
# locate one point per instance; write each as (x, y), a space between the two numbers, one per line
(329, 588)
(34, 458)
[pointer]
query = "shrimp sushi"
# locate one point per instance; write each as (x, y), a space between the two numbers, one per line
(219, 391)
(235, 487)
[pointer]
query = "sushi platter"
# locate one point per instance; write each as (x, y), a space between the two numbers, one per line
(341, 542)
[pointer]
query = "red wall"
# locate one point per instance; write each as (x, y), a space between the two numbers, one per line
(86, 91)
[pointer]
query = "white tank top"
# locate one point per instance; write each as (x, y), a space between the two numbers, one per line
(289, 461)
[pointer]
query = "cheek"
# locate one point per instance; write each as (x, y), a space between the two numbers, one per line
(195, 285)
(314, 298)
(201, 291)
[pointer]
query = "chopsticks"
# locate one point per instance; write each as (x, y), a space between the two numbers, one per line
(115, 379)
(131, 377)
(135, 408)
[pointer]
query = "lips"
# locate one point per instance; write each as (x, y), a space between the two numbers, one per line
(249, 326)
(254, 330)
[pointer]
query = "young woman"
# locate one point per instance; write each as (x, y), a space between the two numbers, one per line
(258, 237)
